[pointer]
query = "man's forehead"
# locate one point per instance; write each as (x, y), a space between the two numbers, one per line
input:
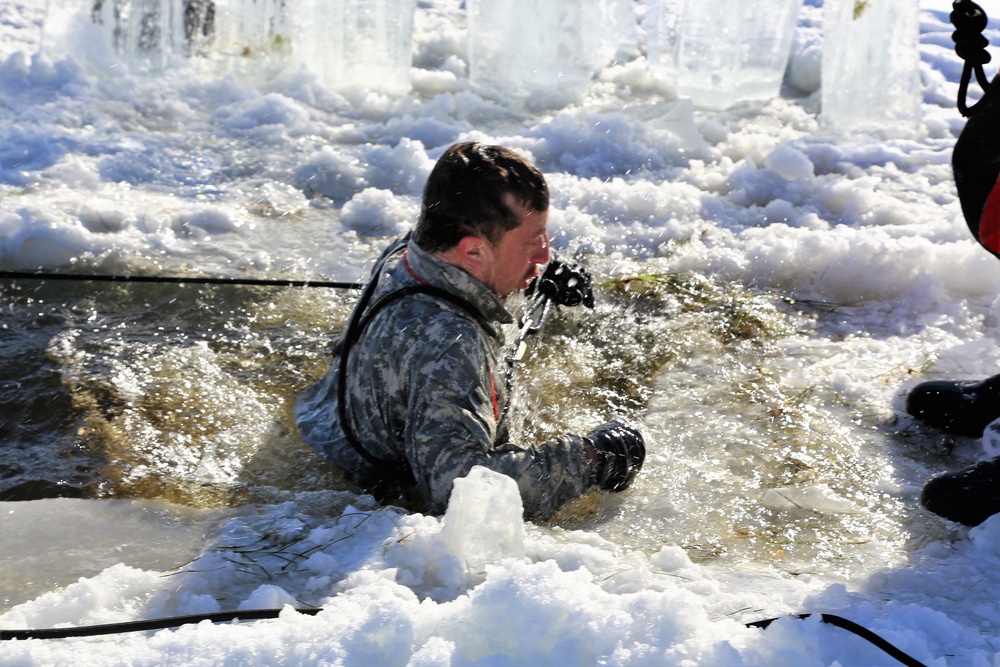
(531, 222)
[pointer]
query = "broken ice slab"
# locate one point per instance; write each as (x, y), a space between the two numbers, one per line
(871, 59)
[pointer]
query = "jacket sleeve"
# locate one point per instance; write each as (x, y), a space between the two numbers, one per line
(452, 427)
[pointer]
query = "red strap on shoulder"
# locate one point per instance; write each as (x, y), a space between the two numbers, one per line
(989, 223)
(493, 388)
(406, 263)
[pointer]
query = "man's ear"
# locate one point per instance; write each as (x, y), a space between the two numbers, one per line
(473, 254)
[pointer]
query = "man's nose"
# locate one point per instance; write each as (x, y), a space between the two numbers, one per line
(542, 254)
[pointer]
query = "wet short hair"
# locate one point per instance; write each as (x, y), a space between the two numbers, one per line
(464, 195)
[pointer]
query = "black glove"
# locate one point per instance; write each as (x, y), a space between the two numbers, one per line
(566, 283)
(620, 453)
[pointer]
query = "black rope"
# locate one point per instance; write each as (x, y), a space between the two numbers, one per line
(970, 20)
(266, 614)
(259, 282)
(859, 630)
(154, 624)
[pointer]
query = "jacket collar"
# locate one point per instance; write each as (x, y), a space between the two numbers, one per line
(454, 279)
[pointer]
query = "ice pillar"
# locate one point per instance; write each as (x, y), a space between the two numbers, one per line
(543, 52)
(145, 34)
(250, 39)
(871, 58)
(722, 51)
(234, 36)
(346, 43)
(355, 44)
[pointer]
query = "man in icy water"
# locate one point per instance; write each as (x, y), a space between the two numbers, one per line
(419, 388)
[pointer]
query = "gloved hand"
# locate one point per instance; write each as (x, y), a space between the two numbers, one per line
(620, 453)
(566, 283)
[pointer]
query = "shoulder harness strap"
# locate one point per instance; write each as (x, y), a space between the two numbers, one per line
(360, 319)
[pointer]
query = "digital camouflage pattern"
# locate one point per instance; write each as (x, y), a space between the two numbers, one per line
(421, 385)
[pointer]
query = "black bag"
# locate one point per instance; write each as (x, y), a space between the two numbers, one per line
(976, 158)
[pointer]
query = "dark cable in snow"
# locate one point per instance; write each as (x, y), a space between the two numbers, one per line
(263, 614)
(859, 630)
(153, 624)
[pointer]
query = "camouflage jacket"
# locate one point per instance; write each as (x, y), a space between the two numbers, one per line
(427, 382)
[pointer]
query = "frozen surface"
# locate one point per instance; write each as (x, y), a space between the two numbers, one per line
(50, 544)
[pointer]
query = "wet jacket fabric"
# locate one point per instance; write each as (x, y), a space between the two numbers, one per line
(428, 382)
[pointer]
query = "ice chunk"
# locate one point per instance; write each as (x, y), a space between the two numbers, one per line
(269, 596)
(871, 58)
(544, 52)
(723, 51)
(790, 163)
(353, 44)
(819, 498)
(484, 521)
(675, 126)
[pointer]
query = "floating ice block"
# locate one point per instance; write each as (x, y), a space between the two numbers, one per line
(871, 58)
(723, 51)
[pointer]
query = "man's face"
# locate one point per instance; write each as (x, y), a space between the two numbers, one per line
(517, 257)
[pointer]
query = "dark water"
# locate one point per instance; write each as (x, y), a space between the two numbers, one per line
(136, 390)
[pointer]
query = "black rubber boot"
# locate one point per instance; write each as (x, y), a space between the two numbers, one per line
(962, 408)
(968, 496)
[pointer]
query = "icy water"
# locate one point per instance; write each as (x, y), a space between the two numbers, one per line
(184, 393)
